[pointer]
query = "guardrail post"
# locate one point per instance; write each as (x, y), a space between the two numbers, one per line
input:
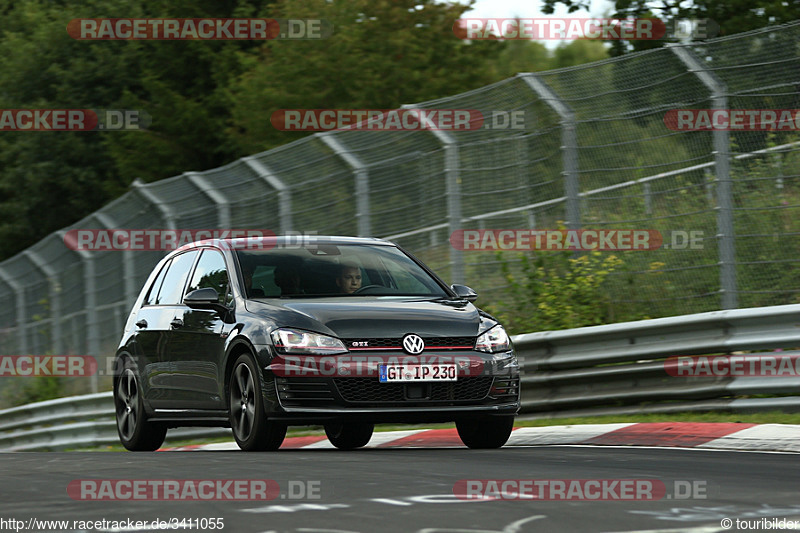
(569, 146)
(727, 245)
(362, 182)
(22, 328)
(223, 206)
(56, 342)
(284, 192)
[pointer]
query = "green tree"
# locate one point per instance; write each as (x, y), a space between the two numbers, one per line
(49, 180)
(520, 56)
(578, 52)
(382, 54)
(732, 16)
(532, 56)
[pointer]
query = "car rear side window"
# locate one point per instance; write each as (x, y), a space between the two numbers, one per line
(152, 294)
(175, 280)
(210, 272)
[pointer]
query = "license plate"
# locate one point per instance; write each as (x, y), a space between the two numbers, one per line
(427, 372)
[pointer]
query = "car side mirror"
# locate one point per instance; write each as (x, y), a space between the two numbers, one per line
(464, 292)
(208, 298)
(202, 298)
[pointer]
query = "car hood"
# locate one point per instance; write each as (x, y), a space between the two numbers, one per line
(387, 317)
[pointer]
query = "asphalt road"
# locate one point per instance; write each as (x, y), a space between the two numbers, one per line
(411, 490)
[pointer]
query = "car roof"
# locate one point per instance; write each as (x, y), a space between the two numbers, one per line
(260, 242)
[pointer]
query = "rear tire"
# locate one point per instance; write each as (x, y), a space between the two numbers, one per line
(251, 428)
(136, 433)
(349, 435)
(485, 433)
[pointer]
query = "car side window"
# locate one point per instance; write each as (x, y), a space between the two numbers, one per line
(210, 272)
(174, 281)
(152, 294)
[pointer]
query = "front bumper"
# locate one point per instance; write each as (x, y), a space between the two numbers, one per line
(493, 391)
(406, 415)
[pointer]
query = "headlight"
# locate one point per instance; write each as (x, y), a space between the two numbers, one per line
(290, 341)
(493, 341)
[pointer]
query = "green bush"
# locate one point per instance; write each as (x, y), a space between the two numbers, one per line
(555, 290)
(32, 389)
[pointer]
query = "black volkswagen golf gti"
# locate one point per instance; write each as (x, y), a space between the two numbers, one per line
(261, 333)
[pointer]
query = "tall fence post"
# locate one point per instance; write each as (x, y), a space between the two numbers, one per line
(129, 289)
(19, 291)
(56, 343)
(221, 203)
(284, 192)
(361, 185)
(569, 146)
(92, 322)
(452, 172)
(452, 176)
(727, 245)
(169, 217)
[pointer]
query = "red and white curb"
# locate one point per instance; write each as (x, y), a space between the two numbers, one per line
(722, 436)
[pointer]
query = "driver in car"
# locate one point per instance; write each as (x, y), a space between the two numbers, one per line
(349, 278)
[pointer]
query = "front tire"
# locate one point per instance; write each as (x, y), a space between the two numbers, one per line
(251, 429)
(135, 432)
(349, 435)
(485, 433)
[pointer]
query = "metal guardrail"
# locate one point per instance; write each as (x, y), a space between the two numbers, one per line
(599, 370)
(75, 422)
(619, 368)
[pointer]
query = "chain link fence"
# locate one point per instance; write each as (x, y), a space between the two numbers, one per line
(595, 153)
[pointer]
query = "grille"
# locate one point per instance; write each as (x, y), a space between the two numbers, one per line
(304, 391)
(397, 343)
(370, 390)
(505, 389)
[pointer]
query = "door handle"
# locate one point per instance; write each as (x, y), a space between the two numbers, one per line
(141, 324)
(176, 323)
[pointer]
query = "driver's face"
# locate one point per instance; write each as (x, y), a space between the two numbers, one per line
(350, 280)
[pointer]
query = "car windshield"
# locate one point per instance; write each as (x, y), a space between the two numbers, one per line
(317, 270)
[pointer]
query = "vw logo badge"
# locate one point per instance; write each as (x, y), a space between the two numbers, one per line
(413, 344)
